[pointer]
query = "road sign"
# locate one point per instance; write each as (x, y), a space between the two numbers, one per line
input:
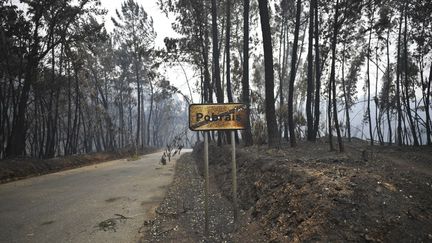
(209, 117)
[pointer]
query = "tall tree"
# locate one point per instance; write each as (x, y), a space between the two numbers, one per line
(368, 83)
(282, 20)
(47, 33)
(427, 95)
(407, 86)
(134, 29)
(332, 81)
(245, 79)
(398, 71)
(317, 72)
(216, 69)
(385, 25)
(228, 50)
(292, 76)
(310, 79)
(421, 21)
(272, 130)
(349, 83)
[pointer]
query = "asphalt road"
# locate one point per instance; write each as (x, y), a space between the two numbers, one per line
(107, 202)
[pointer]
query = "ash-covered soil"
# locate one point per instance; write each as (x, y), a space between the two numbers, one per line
(303, 194)
(180, 217)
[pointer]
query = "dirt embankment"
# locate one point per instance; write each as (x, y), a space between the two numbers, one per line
(367, 194)
(19, 168)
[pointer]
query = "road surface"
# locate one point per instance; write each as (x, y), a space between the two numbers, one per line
(106, 202)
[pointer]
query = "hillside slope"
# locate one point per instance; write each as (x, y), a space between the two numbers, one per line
(310, 194)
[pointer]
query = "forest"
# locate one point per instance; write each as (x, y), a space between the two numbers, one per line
(70, 87)
(332, 69)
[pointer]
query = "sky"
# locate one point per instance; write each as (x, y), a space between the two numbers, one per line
(162, 24)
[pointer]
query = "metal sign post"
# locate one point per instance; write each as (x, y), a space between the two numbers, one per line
(234, 177)
(213, 117)
(206, 186)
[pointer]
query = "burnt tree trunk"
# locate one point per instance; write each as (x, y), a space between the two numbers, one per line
(228, 56)
(150, 112)
(245, 80)
(310, 81)
(345, 95)
(333, 79)
(368, 110)
(317, 72)
(273, 134)
(398, 71)
(292, 77)
(332, 82)
(217, 78)
(427, 107)
(407, 95)
(389, 85)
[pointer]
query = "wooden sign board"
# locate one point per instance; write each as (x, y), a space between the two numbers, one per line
(209, 117)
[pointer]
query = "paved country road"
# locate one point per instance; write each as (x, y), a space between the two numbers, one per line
(106, 202)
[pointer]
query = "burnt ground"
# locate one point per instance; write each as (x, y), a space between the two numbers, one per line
(180, 217)
(367, 194)
(23, 167)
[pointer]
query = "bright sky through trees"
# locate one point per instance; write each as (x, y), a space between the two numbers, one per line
(162, 24)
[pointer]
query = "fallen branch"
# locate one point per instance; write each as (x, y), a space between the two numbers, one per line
(166, 231)
(170, 214)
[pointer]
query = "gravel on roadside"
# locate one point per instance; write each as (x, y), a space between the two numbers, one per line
(180, 217)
